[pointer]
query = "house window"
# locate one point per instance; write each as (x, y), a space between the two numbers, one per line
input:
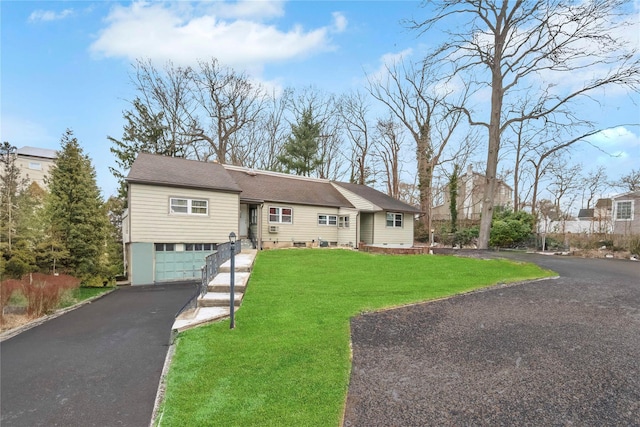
(190, 247)
(327, 219)
(281, 215)
(165, 247)
(624, 210)
(36, 166)
(189, 206)
(394, 220)
(343, 221)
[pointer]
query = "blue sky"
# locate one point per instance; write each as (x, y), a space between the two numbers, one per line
(66, 64)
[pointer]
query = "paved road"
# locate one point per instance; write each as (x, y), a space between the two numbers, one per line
(98, 365)
(555, 352)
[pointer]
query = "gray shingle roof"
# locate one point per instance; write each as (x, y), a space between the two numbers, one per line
(265, 186)
(378, 198)
(178, 172)
(44, 153)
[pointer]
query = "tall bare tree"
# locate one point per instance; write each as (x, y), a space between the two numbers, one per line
(167, 94)
(593, 185)
(413, 96)
(509, 46)
(229, 101)
(388, 147)
(354, 111)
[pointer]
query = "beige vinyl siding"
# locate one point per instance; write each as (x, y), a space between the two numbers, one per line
(347, 235)
(150, 220)
(393, 235)
(304, 227)
(360, 203)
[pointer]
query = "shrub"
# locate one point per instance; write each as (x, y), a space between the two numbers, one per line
(509, 229)
(44, 292)
(7, 287)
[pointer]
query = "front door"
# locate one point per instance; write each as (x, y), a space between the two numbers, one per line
(244, 221)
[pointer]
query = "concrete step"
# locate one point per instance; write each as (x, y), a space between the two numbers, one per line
(219, 299)
(243, 262)
(222, 282)
(199, 316)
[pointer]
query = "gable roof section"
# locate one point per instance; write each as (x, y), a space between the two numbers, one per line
(178, 172)
(282, 188)
(629, 194)
(378, 198)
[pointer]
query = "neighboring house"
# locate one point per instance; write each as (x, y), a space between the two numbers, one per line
(626, 215)
(179, 210)
(470, 193)
(34, 163)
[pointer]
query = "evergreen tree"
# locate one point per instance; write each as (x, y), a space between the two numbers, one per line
(74, 209)
(300, 152)
(10, 186)
(144, 132)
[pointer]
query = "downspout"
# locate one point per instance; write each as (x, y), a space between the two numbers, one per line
(358, 230)
(259, 245)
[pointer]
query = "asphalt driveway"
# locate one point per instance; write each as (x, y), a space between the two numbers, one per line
(98, 365)
(563, 351)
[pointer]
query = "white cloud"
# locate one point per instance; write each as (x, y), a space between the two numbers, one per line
(183, 34)
(339, 22)
(387, 62)
(49, 15)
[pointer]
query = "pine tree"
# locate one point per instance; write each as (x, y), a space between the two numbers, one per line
(10, 186)
(301, 149)
(74, 208)
(144, 132)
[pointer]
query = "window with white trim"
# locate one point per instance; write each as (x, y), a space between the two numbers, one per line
(188, 206)
(280, 215)
(624, 210)
(327, 219)
(394, 219)
(343, 221)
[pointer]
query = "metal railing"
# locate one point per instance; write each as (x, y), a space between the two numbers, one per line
(210, 269)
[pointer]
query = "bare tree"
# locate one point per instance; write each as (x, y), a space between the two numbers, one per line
(564, 185)
(354, 110)
(630, 181)
(388, 146)
(414, 98)
(168, 94)
(593, 185)
(260, 143)
(229, 100)
(513, 46)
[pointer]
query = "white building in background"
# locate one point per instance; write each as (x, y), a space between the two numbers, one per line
(35, 163)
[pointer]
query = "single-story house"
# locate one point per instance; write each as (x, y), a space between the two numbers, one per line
(179, 210)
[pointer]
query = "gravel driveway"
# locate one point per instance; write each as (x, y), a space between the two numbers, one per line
(562, 351)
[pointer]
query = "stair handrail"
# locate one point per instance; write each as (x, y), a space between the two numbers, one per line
(209, 270)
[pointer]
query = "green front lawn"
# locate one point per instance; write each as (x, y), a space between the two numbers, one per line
(287, 361)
